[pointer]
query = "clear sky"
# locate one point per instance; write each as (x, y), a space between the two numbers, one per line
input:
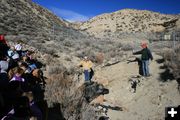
(81, 10)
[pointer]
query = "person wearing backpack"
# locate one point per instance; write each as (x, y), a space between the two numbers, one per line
(146, 55)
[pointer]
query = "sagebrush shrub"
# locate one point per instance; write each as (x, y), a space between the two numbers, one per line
(172, 60)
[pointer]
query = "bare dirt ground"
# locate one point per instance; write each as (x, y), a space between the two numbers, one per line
(151, 97)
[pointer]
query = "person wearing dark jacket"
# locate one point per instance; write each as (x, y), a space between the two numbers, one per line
(145, 56)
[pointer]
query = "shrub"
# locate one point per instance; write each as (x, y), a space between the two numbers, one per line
(64, 89)
(172, 60)
(99, 58)
(127, 47)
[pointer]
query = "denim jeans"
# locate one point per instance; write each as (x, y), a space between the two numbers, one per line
(86, 75)
(145, 67)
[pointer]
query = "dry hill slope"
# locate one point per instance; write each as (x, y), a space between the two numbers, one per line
(126, 20)
(151, 98)
(25, 17)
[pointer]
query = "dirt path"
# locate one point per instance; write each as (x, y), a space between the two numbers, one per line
(150, 99)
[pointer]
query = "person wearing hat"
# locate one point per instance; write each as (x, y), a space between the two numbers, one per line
(145, 56)
(87, 66)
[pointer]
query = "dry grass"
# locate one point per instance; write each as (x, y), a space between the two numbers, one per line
(172, 60)
(63, 88)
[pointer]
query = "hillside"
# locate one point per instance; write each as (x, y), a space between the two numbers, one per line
(26, 17)
(127, 21)
(27, 21)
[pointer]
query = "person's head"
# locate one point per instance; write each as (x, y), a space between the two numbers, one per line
(19, 42)
(1, 37)
(144, 45)
(15, 71)
(23, 66)
(18, 71)
(85, 58)
(13, 48)
(37, 73)
(25, 59)
(19, 63)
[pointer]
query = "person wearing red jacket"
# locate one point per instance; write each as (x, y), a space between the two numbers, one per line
(3, 46)
(2, 39)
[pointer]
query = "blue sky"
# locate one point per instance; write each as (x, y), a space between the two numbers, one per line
(81, 10)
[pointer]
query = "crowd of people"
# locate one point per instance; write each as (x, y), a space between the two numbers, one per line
(21, 84)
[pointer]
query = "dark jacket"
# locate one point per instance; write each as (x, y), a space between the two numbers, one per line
(145, 54)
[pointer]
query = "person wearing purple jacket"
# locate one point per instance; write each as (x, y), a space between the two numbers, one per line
(17, 75)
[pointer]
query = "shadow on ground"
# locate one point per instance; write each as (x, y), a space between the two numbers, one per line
(117, 108)
(166, 75)
(55, 113)
(159, 61)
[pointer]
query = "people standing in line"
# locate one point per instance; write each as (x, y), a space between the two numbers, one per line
(145, 56)
(87, 64)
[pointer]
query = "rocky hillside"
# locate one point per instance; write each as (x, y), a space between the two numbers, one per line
(27, 18)
(23, 16)
(128, 21)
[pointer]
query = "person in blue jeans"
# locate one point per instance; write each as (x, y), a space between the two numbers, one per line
(146, 55)
(87, 64)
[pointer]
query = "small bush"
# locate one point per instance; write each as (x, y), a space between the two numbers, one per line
(172, 60)
(99, 58)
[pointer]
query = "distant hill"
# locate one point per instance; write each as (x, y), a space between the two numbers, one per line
(127, 21)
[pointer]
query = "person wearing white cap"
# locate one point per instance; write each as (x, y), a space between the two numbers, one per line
(18, 48)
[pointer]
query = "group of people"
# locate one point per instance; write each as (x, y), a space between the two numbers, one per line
(143, 63)
(21, 84)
